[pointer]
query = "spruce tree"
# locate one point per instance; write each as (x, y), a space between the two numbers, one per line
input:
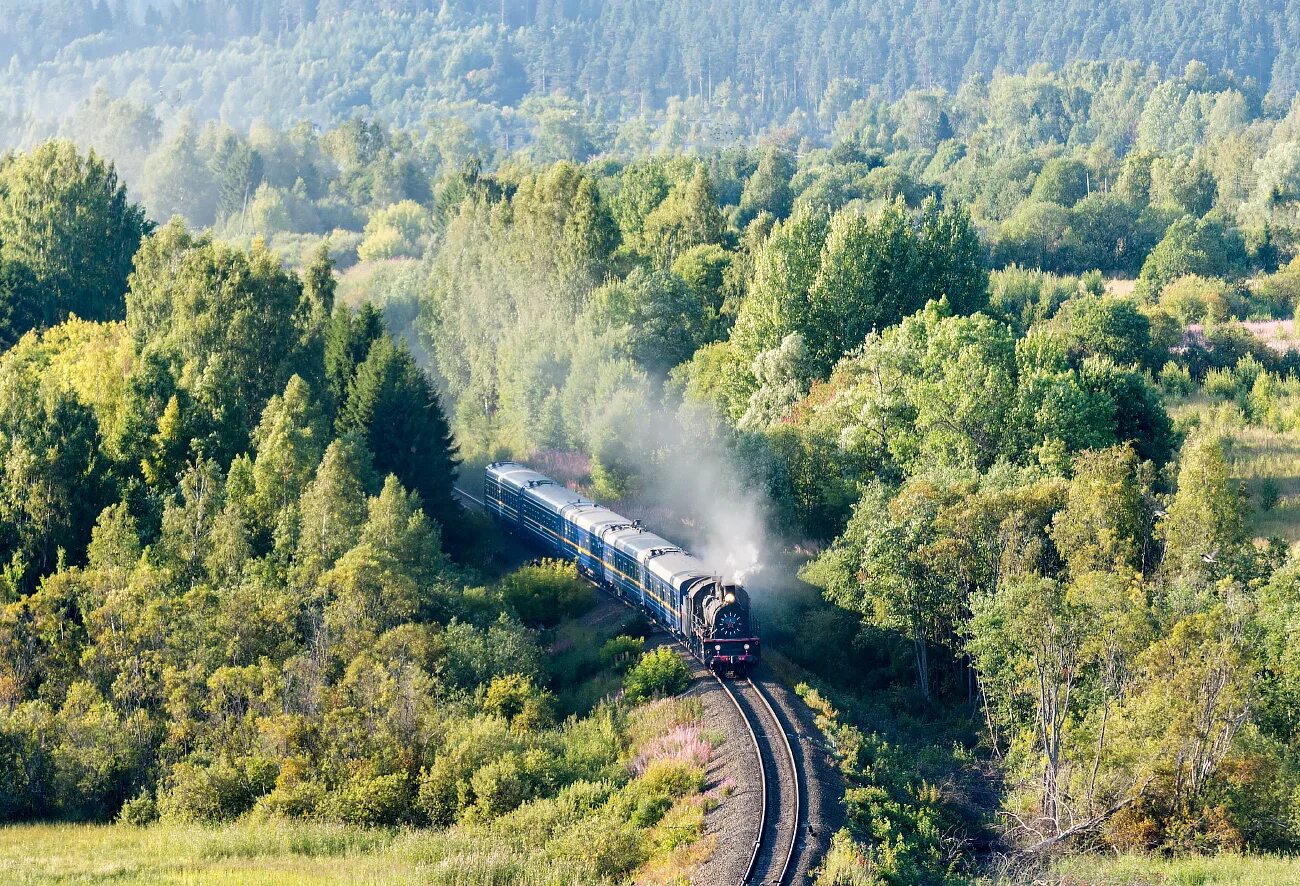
(347, 342)
(391, 405)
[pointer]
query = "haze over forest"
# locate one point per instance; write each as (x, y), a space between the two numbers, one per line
(735, 69)
(963, 331)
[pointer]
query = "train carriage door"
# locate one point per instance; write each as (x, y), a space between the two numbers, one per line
(572, 532)
(597, 548)
(611, 574)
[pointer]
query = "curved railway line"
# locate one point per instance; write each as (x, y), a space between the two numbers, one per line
(774, 851)
(777, 835)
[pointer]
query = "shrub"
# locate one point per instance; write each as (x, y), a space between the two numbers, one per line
(445, 786)
(607, 847)
(1175, 380)
(546, 592)
(523, 705)
(217, 792)
(498, 787)
(1193, 299)
(621, 652)
(1220, 384)
(589, 747)
(371, 800)
(674, 778)
(296, 794)
(659, 672)
(140, 811)
(663, 781)
(1268, 493)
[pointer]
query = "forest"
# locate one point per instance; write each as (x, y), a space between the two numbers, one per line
(499, 71)
(987, 375)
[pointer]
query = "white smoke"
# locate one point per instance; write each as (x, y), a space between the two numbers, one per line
(713, 504)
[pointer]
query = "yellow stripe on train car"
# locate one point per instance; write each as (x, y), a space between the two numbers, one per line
(658, 599)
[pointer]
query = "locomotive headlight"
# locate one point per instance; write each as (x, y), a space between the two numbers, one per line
(746, 647)
(717, 648)
(730, 598)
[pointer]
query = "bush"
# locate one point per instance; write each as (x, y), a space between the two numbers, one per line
(371, 800)
(1221, 385)
(1268, 493)
(673, 778)
(522, 704)
(1175, 380)
(659, 672)
(140, 811)
(220, 791)
(607, 847)
(1194, 299)
(621, 652)
(499, 787)
(297, 793)
(546, 592)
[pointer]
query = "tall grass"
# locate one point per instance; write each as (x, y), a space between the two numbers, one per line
(273, 853)
(1261, 458)
(1218, 870)
(681, 744)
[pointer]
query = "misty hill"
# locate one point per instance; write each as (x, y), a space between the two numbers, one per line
(408, 61)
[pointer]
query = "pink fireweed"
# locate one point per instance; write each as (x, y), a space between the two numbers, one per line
(681, 744)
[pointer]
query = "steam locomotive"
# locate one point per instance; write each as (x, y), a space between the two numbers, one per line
(673, 588)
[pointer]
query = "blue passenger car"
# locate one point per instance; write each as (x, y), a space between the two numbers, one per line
(673, 588)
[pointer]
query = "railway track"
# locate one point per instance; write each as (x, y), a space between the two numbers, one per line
(465, 495)
(776, 838)
(774, 849)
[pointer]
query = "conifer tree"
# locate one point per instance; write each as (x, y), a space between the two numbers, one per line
(391, 405)
(348, 338)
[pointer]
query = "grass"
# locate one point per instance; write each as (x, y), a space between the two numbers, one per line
(1218, 870)
(246, 854)
(256, 853)
(1255, 454)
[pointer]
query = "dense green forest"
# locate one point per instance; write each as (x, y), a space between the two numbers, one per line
(503, 70)
(991, 369)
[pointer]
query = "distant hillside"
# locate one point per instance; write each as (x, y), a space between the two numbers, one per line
(409, 60)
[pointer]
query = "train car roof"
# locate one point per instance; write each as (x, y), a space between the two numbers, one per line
(516, 475)
(595, 518)
(634, 541)
(554, 495)
(676, 568)
(640, 546)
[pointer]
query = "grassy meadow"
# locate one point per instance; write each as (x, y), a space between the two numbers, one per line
(280, 853)
(1219, 870)
(1264, 459)
(1258, 456)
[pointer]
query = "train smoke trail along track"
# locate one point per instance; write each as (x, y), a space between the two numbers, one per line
(776, 837)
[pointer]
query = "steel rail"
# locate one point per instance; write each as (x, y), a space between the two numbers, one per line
(794, 781)
(762, 780)
(462, 492)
